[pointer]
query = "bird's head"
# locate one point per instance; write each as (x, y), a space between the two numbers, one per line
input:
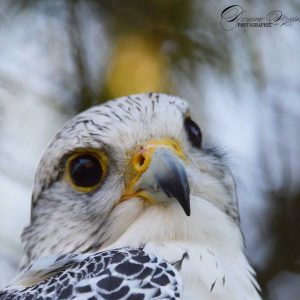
(134, 168)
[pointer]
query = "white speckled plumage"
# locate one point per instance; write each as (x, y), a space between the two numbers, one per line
(206, 247)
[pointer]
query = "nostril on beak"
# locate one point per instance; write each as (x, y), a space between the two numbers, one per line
(141, 160)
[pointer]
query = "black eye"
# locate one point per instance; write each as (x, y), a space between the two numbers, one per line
(85, 171)
(194, 133)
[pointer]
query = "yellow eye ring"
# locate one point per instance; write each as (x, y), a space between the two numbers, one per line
(85, 170)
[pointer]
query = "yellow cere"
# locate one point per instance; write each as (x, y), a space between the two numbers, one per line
(141, 160)
(99, 155)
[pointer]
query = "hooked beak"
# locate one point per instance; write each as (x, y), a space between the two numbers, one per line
(159, 175)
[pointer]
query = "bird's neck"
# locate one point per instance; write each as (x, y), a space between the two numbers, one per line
(207, 226)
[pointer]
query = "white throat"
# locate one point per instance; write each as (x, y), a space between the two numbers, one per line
(207, 247)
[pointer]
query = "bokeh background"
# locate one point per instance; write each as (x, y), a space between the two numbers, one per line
(59, 57)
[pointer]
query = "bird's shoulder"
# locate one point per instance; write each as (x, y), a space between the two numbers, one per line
(123, 273)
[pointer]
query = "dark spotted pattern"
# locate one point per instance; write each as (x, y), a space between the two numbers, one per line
(129, 274)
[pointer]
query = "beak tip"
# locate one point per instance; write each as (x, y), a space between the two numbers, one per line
(186, 206)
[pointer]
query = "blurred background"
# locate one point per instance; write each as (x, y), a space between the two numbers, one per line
(59, 57)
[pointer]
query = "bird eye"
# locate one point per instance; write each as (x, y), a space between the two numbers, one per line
(85, 171)
(194, 133)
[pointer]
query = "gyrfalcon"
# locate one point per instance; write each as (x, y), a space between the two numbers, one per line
(129, 202)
